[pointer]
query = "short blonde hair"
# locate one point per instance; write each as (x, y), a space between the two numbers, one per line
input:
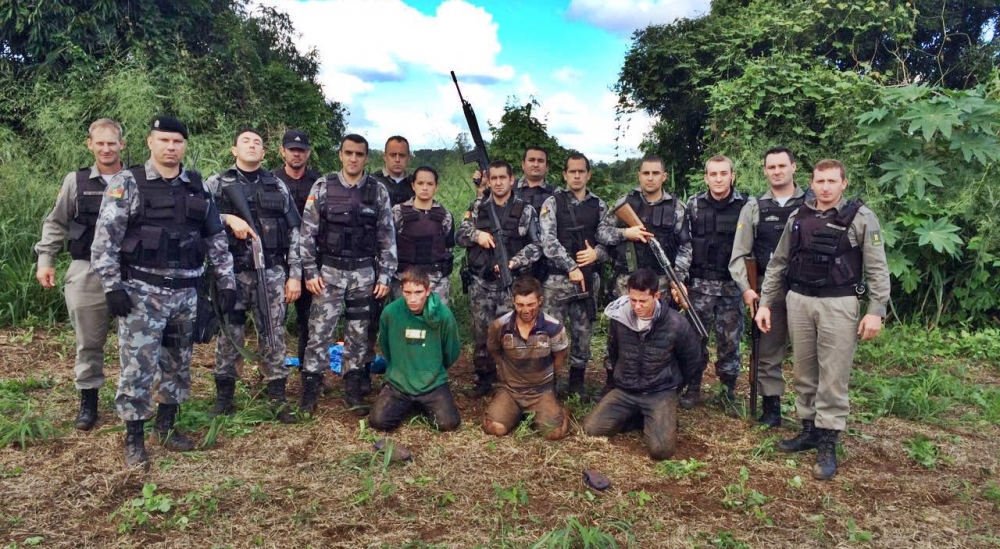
(105, 123)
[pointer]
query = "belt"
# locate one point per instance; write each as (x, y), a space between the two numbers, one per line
(162, 281)
(348, 263)
(828, 291)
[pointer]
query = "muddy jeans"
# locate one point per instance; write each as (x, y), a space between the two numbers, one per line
(392, 406)
(659, 414)
(508, 407)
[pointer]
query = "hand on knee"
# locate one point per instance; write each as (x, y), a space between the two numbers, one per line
(494, 428)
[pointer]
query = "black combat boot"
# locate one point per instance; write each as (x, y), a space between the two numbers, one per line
(353, 397)
(771, 415)
(365, 380)
(225, 389)
(484, 384)
(576, 385)
(276, 394)
(692, 393)
(609, 383)
(310, 390)
(87, 416)
(806, 440)
(135, 445)
(166, 415)
(826, 454)
(729, 382)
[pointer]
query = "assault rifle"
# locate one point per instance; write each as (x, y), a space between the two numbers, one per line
(262, 317)
(477, 155)
(586, 298)
(751, 265)
(500, 255)
(628, 216)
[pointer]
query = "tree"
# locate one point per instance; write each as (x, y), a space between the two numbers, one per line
(519, 129)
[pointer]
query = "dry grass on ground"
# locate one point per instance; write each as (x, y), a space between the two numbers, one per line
(318, 484)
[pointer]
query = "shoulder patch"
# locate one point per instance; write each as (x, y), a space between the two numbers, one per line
(739, 226)
(468, 214)
(116, 192)
(876, 238)
(545, 210)
(311, 198)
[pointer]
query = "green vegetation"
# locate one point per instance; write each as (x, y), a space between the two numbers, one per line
(21, 420)
(685, 468)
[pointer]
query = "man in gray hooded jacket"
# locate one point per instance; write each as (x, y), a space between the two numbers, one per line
(653, 351)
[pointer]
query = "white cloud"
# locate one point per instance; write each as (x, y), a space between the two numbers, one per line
(383, 40)
(591, 127)
(567, 75)
(624, 16)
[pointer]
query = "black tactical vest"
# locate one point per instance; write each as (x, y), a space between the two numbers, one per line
(659, 220)
(89, 193)
(771, 219)
(822, 262)
(481, 260)
(535, 196)
(168, 232)
(576, 223)
(419, 240)
(350, 219)
(298, 188)
(267, 205)
(398, 192)
(713, 229)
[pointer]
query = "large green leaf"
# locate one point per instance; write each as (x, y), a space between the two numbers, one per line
(931, 117)
(980, 146)
(911, 172)
(941, 235)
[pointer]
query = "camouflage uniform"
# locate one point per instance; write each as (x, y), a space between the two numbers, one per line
(561, 261)
(611, 233)
(440, 272)
(535, 196)
(299, 189)
(348, 290)
(488, 299)
(155, 338)
(715, 296)
(226, 355)
(88, 309)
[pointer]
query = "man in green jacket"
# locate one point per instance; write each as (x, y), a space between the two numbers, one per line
(418, 336)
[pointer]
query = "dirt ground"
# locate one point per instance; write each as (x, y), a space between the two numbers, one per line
(318, 484)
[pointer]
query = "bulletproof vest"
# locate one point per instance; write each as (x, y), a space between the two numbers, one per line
(481, 260)
(419, 240)
(534, 195)
(659, 219)
(89, 193)
(398, 192)
(350, 219)
(172, 219)
(267, 205)
(771, 219)
(822, 262)
(298, 188)
(576, 223)
(713, 229)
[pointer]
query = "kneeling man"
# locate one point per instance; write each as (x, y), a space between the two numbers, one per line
(653, 351)
(419, 339)
(527, 346)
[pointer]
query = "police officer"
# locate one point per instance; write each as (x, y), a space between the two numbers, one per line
(72, 220)
(348, 257)
(568, 222)
(711, 219)
(155, 225)
(518, 227)
(532, 187)
(829, 249)
(425, 235)
(759, 227)
(275, 224)
(299, 178)
(393, 175)
(662, 215)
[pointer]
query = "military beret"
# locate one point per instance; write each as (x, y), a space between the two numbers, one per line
(169, 124)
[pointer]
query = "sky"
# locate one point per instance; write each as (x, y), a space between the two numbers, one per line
(388, 62)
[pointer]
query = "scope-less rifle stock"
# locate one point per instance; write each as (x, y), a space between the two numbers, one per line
(751, 265)
(628, 216)
(477, 155)
(234, 192)
(500, 255)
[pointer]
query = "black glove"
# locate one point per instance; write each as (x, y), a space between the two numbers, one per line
(119, 303)
(227, 300)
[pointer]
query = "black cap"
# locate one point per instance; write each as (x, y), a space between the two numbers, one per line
(168, 124)
(295, 139)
